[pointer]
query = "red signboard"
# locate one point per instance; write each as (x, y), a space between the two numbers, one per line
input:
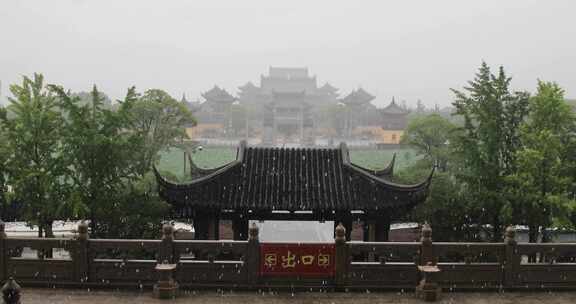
(313, 260)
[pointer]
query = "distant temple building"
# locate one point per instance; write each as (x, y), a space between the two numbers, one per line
(289, 107)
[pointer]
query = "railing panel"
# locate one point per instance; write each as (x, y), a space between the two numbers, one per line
(385, 251)
(547, 275)
(377, 275)
(217, 273)
(469, 252)
(473, 275)
(547, 252)
(35, 270)
(210, 250)
(114, 271)
(123, 249)
(39, 248)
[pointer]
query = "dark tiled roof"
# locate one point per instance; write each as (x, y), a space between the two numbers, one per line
(249, 86)
(394, 108)
(219, 95)
(328, 88)
(358, 97)
(266, 179)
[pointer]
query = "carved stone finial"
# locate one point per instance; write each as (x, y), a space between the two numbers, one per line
(340, 233)
(11, 292)
(426, 237)
(167, 231)
(510, 235)
(83, 231)
(253, 232)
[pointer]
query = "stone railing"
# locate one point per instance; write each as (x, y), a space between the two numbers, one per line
(82, 261)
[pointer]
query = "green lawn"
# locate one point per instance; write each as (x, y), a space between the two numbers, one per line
(172, 160)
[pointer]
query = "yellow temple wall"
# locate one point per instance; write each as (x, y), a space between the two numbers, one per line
(197, 130)
(383, 136)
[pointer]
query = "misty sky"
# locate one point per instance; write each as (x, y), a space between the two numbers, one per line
(408, 49)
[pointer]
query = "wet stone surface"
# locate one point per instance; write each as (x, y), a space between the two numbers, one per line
(49, 296)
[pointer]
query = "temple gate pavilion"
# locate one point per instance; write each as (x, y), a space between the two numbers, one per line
(306, 184)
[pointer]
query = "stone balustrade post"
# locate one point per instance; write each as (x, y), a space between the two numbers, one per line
(166, 251)
(511, 261)
(427, 255)
(342, 259)
(252, 258)
(166, 287)
(81, 257)
(11, 292)
(428, 288)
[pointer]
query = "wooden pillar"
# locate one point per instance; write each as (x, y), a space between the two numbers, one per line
(369, 227)
(206, 226)
(377, 228)
(214, 228)
(381, 228)
(200, 228)
(240, 228)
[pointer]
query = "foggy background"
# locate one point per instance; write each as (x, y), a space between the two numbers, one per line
(408, 49)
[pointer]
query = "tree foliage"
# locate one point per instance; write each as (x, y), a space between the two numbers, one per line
(70, 156)
(37, 166)
(4, 173)
(541, 184)
(490, 140)
(431, 135)
(160, 121)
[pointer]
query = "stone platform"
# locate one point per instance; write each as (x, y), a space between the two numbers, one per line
(53, 296)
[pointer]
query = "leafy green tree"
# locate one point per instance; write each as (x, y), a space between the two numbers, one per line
(490, 139)
(160, 121)
(37, 166)
(446, 208)
(4, 156)
(431, 135)
(541, 183)
(99, 152)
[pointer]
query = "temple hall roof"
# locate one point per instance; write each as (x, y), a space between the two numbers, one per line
(394, 108)
(217, 94)
(249, 86)
(328, 88)
(292, 179)
(358, 97)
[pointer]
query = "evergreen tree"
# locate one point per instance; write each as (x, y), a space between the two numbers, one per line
(489, 142)
(541, 182)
